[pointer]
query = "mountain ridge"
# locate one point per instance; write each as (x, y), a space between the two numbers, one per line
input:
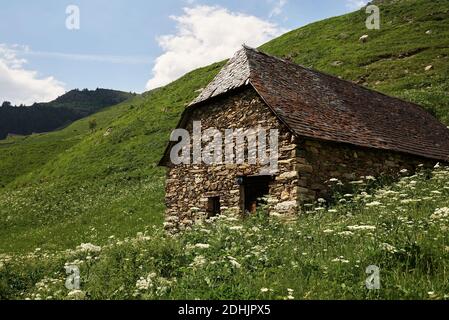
(48, 116)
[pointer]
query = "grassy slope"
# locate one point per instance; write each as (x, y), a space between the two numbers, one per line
(87, 186)
(55, 198)
(402, 229)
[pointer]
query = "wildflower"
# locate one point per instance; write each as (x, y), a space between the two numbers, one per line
(202, 246)
(440, 214)
(236, 228)
(328, 231)
(145, 283)
(340, 259)
(234, 262)
(264, 290)
(389, 248)
(198, 262)
(374, 204)
(361, 228)
(404, 171)
(346, 233)
(76, 295)
(88, 247)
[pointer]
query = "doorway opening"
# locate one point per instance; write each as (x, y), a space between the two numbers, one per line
(213, 207)
(253, 191)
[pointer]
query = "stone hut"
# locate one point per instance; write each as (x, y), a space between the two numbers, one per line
(327, 128)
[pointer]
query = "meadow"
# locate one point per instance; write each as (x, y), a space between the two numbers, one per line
(401, 228)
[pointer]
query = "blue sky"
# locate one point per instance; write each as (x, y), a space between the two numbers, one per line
(134, 45)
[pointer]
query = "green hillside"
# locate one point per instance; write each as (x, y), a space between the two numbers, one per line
(89, 101)
(75, 186)
(50, 116)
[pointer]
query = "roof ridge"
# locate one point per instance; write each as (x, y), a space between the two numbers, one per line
(236, 73)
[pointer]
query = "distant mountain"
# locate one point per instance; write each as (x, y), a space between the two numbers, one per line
(87, 102)
(45, 117)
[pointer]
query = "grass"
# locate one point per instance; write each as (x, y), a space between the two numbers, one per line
(74, 186)
(71, 181)
(400, 228)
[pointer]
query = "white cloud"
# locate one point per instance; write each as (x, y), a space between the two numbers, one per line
(356, 4)
(129, 60)
(206, 34)
(278, 7)
(21, 86)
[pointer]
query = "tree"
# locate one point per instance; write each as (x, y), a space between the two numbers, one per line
(92, 125)
(6, 104)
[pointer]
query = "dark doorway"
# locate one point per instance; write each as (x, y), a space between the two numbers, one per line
(213, 207)
(254, 189)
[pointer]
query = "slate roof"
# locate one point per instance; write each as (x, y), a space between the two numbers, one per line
(320, 106)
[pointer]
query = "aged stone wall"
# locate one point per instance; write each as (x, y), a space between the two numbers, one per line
(317, 162)
(305, 165)
(188, 187)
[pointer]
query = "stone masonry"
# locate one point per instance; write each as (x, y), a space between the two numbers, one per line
(304, 165)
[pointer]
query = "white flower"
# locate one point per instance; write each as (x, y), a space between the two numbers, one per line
(346, 233)
(340, 259)
(88, 247)
(202, 246)
(388, 247)
(76, 295)
(145, 283)
(234, 262)
(264, 290)
(374, 204)
(361, 228)
(440, 214)
(198, 262)
(236, 228)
